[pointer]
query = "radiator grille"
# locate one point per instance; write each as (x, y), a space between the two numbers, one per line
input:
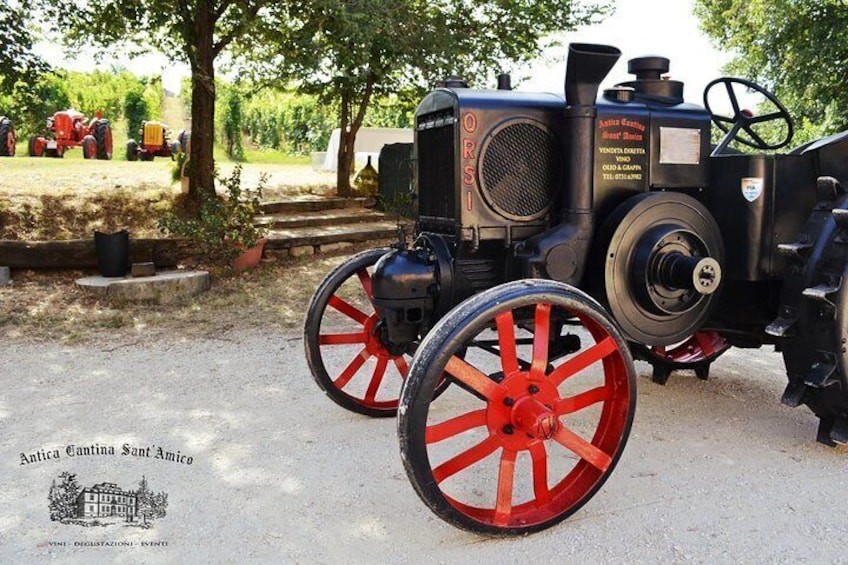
(436, 168)
(520, 170)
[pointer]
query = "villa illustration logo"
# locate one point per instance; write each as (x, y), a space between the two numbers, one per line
(104, 504)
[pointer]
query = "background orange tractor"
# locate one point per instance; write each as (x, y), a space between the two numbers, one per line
(154, 143)
(7, 137)
(68, 129)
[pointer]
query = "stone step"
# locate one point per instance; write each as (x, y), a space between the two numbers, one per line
(324, 218)
(325, 235)
(301, 205)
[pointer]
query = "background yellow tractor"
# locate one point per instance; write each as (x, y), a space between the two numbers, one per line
(154, 143)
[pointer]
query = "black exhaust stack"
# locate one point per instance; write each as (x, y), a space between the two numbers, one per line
(560, 253)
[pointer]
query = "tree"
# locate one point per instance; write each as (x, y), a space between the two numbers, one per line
(18, 62)
(232, 120)
(796, 49)
(63, 499)
(136, 111)
(150, 505)
(197, 31)
(347, 52)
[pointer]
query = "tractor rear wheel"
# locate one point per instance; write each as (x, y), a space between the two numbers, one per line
(528, 436)
(103, 135)
(35, 146)
(89, 147)
(132, 150)
(695, 353)
(7, 138)
(343, 341)
(812, 329)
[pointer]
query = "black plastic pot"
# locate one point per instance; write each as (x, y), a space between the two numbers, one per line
(113, 253)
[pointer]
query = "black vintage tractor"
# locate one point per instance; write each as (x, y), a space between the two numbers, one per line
(556, 240)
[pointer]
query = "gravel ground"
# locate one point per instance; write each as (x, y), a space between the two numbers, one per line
(715, 472)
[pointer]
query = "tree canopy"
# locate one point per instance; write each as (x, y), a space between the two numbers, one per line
(18, 62)
(797, 49)
(349, 51)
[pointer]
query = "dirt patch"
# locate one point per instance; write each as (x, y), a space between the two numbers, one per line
(46, 306)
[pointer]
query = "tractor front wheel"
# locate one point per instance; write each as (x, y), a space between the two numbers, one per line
(35, 146)
(529, 435)
(343, 341)
(103, 135)
(89, 147)
(132, 150)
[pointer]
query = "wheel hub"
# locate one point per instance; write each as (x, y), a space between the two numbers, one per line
(534, 418)
(524, 411)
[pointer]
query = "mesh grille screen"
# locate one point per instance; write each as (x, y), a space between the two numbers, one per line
(436, 182)
(520, 170)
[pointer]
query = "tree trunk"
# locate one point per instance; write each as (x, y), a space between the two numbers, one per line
(345, 160)
(202, 176)
(347, 139)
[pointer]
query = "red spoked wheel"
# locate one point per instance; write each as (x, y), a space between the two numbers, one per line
(695, 353)
(343, 342)
(528, 436)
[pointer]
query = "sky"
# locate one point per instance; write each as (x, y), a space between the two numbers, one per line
(638, 27)
(642, 27)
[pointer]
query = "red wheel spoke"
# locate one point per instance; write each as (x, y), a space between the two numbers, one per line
(351, 369)
(376, 379)
(348, 310)
(541, 338)
(466, 458)
(703, 339)
(583, 400)
(506, 478)
(365, 279)
(342, 339)
(539, 455)
(583, 360)
(401, 365)
(471, 377)
(583, 449)
(506, 342)
(454, 426)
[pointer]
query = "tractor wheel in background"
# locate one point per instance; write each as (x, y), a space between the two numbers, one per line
(132, 150)
(7, 138)
(695, 353)
(528, 436)
(89, 147)
(146, 155)
(35, 146)
(103, 135)
(342, 337)
(58, 153)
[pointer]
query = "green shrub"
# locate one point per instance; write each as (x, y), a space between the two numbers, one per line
(224, 227)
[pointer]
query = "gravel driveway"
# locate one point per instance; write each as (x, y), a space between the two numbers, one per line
(714, 472)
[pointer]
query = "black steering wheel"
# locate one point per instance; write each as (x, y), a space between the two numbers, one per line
(739, 126)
